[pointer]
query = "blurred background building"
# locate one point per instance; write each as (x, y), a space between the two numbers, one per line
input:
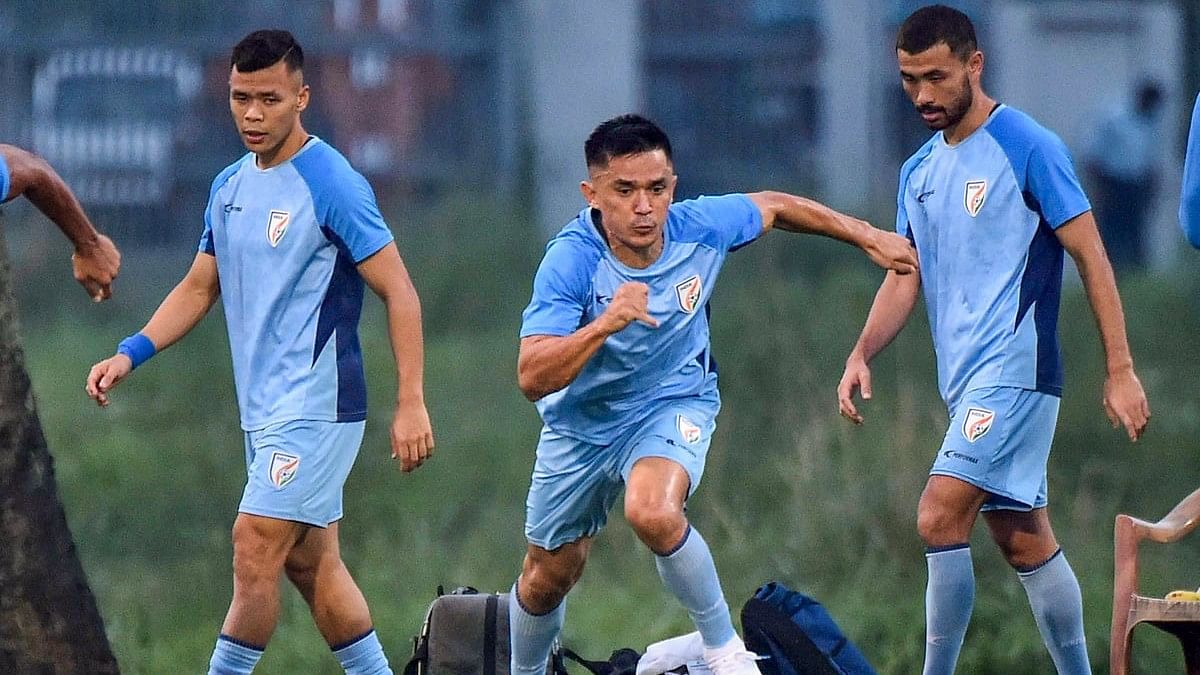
(494, 97)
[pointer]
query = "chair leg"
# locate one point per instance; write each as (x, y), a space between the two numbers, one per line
(1120, 654)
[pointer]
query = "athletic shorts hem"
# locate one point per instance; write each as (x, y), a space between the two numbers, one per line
(555, 544)
(294, 517)
(694, 476)
(1020, 504)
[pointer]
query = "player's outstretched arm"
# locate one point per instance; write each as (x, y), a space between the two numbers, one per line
(1124, 400)
(411, 433)
(547, 363)
(893, 304)
(178, 314)
(797, 214)
(96, 260)
(1189, 202)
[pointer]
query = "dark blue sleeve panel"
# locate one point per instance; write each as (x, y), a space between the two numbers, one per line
(1189, 200)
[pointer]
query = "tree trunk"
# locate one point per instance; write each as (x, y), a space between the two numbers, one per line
(48, 618)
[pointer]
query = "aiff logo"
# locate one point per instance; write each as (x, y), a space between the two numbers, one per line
(688, 291)
(687, 429)
(974, 195)
(277, 224)
(283, 468)
(978, 422)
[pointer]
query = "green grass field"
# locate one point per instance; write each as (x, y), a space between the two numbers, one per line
(791, 491)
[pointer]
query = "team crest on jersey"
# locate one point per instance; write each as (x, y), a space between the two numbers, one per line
(277, 224)
(690, 432)
(688, 291)
(283, 468)
(974, 195)
(977, 423)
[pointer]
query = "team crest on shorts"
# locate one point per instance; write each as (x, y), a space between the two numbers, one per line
(277, 224)
(688, 291)
(974, 195)
(283, 468)
(977, 423)
(690, 432)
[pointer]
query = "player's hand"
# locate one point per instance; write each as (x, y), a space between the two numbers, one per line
(96, 266)
(891, 251)
(857, 377)
(106, 375)
(412, 436)
(1125, 402)
(630, 303)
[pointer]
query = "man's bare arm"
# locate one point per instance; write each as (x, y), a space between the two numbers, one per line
(96, 260)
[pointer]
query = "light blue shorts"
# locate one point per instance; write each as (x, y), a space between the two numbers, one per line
(296, 470)
(999, 441)
(576, 483)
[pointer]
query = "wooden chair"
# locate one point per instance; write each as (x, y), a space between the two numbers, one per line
(1181, 619)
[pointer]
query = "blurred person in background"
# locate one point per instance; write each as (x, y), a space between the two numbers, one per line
(615, 352)
(291, 233)
(991, 201)
(96, 260)
(1122, 162)
(1189, 202)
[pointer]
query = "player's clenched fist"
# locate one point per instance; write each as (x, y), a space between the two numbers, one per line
(630, 303)
(105, 375)
(892, 251)
(95, 267)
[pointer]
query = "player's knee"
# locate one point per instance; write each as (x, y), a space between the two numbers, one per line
(546, 579)
(1026, 553)
(542, 588)
(939, 527)
(256, 560)
(659, 526)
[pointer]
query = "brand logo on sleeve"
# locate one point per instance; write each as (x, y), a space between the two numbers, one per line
(689, 431)
(688, 291)
(978, 422)
(283, 468)
(277, 224)
(974, 195)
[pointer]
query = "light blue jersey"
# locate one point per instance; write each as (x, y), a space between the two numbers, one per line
(1189, 203)
(287, 242)
(5, 179)
(982, 216)
(639, 366)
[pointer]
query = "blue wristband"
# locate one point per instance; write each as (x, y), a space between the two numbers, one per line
(138, 348)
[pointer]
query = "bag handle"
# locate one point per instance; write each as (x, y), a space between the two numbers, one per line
(595, 667)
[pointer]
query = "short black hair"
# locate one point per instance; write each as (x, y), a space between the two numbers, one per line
(928, 26)
(264, 48)
(624, 135)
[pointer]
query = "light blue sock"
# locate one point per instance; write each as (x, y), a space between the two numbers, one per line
(690, 574)
(532, 635)
(362, 656)
(233, 657)
(1057, 606)
(949, 599)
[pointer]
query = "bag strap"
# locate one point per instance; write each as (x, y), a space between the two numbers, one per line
(489, 634)
(420, 657)
(595, 667)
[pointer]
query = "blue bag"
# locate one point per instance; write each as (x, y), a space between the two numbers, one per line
(798, 636)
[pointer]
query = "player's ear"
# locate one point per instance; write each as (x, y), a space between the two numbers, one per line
(975, 63)
(302, 99)
(589, 193)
